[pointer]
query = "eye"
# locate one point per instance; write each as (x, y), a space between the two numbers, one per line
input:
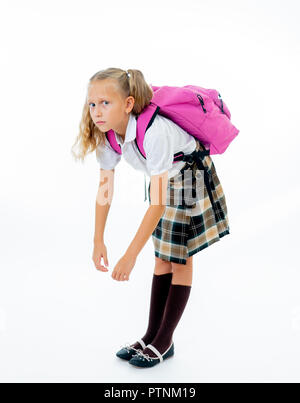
(91, 103)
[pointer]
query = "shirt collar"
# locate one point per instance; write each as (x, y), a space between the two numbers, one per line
(130, 134)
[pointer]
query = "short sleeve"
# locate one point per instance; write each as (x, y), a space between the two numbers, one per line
(106, 156)
(158, 146)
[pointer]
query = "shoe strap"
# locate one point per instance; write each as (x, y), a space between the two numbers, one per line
(155, 351)
(142, 343)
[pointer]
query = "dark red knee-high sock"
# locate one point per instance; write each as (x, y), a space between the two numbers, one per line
(159, 294)
(176, 302)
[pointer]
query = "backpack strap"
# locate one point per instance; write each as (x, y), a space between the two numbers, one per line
(113, 141)
(144, 121)
(198, 156)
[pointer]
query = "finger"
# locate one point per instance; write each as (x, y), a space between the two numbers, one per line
(101, 268)
(102, 257)
(106, 260)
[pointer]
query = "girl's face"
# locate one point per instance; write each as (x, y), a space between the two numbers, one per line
(108, 108)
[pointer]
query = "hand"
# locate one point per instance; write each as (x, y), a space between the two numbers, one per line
(99, 252)
(123, 268)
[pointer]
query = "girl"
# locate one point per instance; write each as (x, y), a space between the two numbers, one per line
(115, 98)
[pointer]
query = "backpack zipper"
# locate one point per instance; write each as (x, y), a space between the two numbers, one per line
(220, 98)
(201, 102)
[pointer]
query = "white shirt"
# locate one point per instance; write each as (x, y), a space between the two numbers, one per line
(162, 140)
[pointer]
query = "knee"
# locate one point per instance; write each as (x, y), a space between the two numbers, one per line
(179, 268)
(183, 273)
(162, 266)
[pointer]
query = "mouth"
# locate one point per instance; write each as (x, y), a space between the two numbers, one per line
(100, 122)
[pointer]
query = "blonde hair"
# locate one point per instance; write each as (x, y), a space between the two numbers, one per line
(90, 138)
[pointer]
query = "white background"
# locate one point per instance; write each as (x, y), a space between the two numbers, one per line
(61, 320)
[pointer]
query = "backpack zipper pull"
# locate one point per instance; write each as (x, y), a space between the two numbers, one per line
(221, 100)
(201, 102)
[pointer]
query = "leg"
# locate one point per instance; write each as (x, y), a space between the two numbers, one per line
(177, 299)
(183, 273)
(162, 266)
(161, 282)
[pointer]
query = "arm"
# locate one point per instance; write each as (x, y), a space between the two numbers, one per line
(103, 202)
(158, 192)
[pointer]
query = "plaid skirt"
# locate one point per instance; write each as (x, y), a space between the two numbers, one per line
(195, 216)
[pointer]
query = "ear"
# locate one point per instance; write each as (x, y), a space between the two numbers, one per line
(158, 189)
(129, 103)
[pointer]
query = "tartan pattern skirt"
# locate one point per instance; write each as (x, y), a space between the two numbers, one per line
(196, 220)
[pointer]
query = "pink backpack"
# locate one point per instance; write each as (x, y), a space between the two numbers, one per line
(200, 112)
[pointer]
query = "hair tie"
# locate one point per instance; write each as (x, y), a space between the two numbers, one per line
(128, 74)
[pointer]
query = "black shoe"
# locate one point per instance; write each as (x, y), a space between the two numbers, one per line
(144, 360)
(127, 350)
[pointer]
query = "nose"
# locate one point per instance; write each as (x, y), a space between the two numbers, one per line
(97, 111)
